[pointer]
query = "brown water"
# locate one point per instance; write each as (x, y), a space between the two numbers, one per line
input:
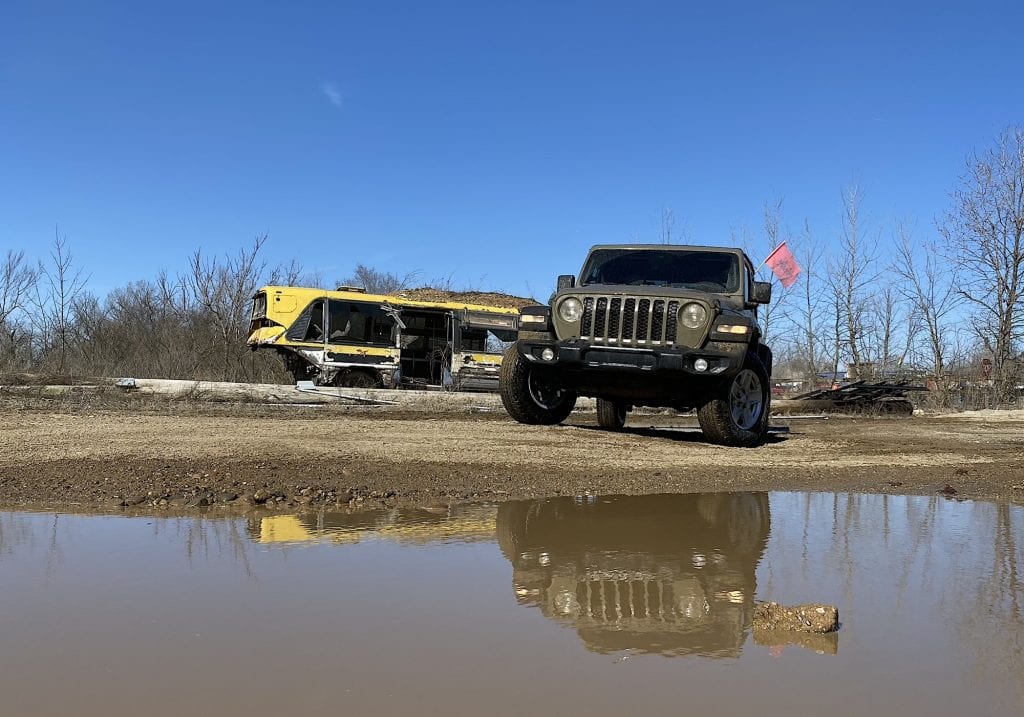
(595, 606)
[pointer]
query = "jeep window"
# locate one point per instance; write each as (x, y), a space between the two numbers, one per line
(702, 270)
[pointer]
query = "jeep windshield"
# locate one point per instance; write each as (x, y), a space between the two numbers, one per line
(680, 268)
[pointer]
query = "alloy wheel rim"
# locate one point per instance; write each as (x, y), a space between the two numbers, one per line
(544, 393)
(746, 399)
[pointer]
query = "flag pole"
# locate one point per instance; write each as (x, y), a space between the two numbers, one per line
(770, 255)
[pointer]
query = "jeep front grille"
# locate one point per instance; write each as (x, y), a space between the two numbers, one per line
(629, 321)
(612, 600)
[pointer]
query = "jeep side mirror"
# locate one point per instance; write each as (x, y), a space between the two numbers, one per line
(566, 281)
(762, 293)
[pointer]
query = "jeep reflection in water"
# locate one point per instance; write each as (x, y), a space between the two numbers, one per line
(664, 574)
(648, 325)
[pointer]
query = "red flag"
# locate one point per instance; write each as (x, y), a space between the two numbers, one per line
(781, 262)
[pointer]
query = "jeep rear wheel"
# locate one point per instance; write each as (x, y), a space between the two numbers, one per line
(530, 395)
(611, 415)
(737, 413)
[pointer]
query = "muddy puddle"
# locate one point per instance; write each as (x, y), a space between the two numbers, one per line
(593, 605)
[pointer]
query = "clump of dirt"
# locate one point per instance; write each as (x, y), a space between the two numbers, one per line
(812, 617)
(484, 298)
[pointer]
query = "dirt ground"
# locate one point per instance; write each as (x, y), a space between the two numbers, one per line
(228, 457)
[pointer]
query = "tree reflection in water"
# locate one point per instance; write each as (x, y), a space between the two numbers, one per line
(921, 568)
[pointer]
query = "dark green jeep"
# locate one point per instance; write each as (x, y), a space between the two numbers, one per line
(648, 325)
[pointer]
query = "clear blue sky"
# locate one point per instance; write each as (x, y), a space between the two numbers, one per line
(489, 141)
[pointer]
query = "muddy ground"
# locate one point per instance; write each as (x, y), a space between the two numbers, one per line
(145, 455)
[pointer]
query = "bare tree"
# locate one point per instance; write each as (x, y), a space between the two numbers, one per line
(774, 235)
(890, 328)
(984, 233)
(17, 282)
(806, 312)
(62, 283)
(295, 274)
(221, 290)
(929, 282)
(852, 273)
(836, 305)
(668, 223)
(379, 282)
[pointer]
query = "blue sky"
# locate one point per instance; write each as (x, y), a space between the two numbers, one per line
(487, 142)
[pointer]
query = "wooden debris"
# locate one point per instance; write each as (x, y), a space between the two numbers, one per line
(857, 397)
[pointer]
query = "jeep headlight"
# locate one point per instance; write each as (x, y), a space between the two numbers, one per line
(570, 309)
(693, 315)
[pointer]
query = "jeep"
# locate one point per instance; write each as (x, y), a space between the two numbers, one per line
(648, 325)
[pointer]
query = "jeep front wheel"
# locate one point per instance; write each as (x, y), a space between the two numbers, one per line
(530, 395)
(737, 413)
(611, 415)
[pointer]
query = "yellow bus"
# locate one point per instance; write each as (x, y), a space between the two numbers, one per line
(350, 338)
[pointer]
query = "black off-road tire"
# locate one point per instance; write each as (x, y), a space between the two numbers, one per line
(748, 522)
(532, 396)
(737, 413)
(611, 415)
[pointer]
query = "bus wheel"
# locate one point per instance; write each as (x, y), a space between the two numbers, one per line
(359, 379)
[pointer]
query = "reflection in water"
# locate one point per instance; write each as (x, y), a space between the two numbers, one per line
(402, 525)
(671, 574)
(937, 578)
(15, 529)
(397, 611)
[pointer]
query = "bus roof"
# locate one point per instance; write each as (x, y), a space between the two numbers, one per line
(307, 294)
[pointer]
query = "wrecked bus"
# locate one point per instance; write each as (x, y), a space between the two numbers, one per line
(350, 338)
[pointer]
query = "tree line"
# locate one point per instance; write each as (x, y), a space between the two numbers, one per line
(943, 302)
(191, 325)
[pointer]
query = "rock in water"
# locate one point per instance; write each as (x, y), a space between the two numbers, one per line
(811, 617)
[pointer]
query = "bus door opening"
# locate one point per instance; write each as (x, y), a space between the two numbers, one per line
(425, 347)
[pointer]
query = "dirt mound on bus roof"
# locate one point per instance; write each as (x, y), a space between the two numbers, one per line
(485, 298)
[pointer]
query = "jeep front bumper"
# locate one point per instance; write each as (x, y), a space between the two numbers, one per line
(719, 360)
